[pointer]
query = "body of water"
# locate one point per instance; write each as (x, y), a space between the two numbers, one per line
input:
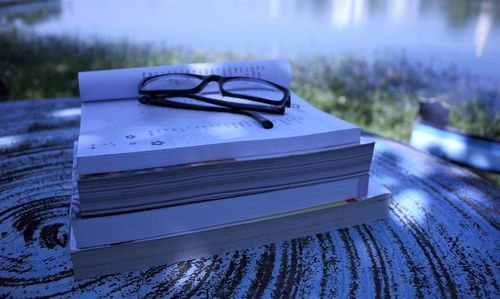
(462, 33)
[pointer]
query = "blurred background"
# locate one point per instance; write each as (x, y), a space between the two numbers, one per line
(369, 62)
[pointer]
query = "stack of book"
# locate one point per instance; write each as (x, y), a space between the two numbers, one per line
(159, 185)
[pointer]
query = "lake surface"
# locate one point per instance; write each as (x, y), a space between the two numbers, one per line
(465, 34)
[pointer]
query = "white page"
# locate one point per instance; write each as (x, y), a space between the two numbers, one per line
(111, 128)
(124, 126)
(123, 83)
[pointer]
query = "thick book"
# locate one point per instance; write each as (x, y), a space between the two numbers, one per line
(120, 192)
(117, 133)
(151, 223)
(184, 237)
(180, 219)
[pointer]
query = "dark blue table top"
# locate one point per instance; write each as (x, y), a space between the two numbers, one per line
(441, 237)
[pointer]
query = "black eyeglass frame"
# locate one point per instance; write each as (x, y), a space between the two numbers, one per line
(160, 96)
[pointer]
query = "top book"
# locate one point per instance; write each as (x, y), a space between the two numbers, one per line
(118, 133)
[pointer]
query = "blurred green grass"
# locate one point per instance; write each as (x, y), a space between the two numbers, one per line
(381, 96)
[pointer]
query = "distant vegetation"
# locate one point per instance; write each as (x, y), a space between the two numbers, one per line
(380, 96)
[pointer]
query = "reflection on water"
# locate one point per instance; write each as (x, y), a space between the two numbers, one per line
(29, 14)
(483, 27)
(464, 33)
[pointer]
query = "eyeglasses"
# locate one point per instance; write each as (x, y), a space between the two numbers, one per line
(241, 95)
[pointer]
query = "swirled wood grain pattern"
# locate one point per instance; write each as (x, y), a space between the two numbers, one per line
(440, 240)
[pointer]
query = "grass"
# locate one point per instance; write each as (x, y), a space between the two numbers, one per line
(381, 96)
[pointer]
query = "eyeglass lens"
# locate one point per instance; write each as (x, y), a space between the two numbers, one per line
(239, 86)
(253, 87)
(172, 82)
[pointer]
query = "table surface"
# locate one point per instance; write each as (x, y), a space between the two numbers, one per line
(440, 239)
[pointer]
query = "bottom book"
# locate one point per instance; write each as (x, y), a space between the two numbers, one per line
(209, 241)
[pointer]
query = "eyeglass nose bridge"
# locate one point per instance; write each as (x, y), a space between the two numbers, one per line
(211, 78)
(208, 79)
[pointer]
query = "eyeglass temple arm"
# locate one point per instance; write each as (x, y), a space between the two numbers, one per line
(264, 122)
(235, 106)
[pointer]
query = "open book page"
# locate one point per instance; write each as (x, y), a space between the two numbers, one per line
(123, 83)
(127, 126)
